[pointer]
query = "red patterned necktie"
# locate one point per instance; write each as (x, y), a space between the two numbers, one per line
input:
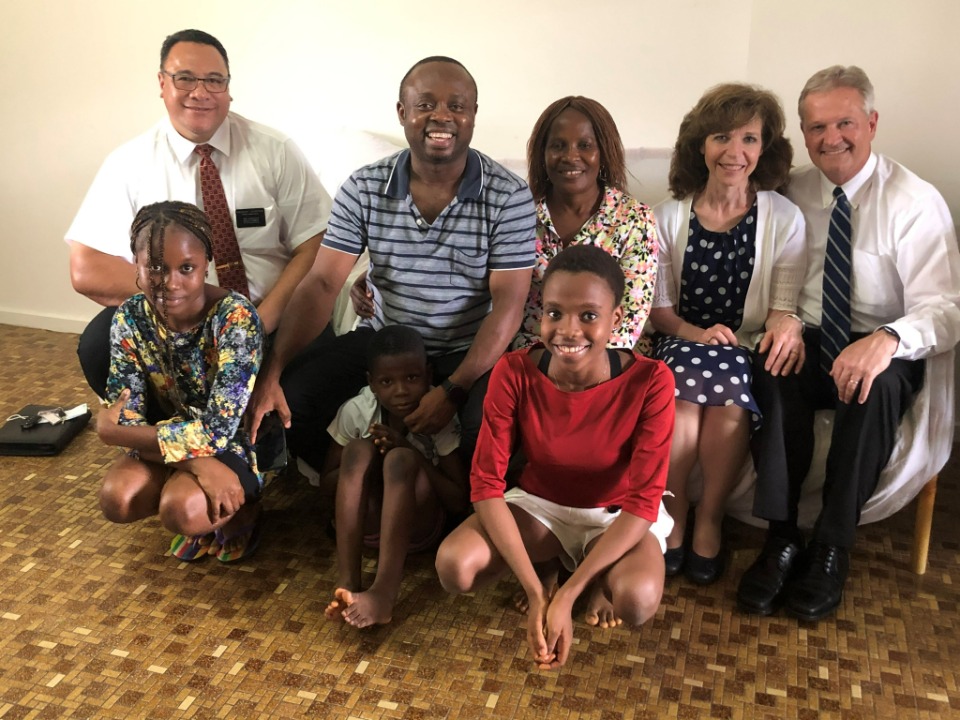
(226, 251)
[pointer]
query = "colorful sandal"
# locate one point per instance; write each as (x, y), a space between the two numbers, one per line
(245, 542)
(191, 548)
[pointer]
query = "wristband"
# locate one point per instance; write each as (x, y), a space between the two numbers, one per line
(803, 325)
(456, 394)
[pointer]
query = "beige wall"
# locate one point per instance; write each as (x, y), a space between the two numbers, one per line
(79, 79)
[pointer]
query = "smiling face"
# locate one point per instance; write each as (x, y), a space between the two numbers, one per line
(175, 284)
(195, 114)
(399, 382)
(437, 112)
(579, 314)
(732, 156)
(572, 156)
(838, 132)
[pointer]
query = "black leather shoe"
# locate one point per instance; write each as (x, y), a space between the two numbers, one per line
(817, 589)
(703, 570)
(673, 560)
(761, 587)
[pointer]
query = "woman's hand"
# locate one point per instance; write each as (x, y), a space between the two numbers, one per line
(783, 343)
(559, 632)
(718, 335)
(361, 297)
(109, 418)
(536, 626)
(221, 486)
(386, 438)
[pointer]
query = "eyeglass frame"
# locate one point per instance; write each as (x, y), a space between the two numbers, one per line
(175, 77)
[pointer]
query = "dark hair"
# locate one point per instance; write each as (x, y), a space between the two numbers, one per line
(194, 36)
(441, 59)
(613, 166)
(395, 340)
(723, 108)
(589, 259)
(152, 220)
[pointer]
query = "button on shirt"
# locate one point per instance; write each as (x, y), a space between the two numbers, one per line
(259, 167)
(906, 265)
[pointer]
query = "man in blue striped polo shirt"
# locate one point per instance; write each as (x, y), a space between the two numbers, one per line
(451, 239)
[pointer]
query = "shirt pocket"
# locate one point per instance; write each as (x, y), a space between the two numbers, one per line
(876, 288)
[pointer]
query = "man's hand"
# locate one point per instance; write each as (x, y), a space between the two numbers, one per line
(784, 341)
(717, 335)
(361, 297)
(859, 364)
(433, 413)
(267, 397)
(386, 438)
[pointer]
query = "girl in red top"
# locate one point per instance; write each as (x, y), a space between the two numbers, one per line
(595, 426)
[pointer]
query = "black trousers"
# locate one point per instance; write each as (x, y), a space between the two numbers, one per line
(93, 350)
(860, 446)
(331, 370)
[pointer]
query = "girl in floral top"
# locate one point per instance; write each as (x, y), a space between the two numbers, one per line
(187, 352)
(577, 171)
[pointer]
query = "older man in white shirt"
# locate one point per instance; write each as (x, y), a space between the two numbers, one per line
(278, 208)
(882, 292)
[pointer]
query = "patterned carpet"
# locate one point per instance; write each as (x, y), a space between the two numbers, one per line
(97, 621)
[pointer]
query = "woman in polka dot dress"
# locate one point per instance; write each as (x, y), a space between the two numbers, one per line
(732, 258)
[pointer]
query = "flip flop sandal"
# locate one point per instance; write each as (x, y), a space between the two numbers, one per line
(251, 533)
(191, 548)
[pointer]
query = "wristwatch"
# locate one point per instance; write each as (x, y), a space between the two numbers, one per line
(456, 394)
(890, 331)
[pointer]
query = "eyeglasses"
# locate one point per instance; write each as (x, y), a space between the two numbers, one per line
(187, 83)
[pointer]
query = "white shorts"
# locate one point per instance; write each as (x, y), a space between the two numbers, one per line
(576, 528)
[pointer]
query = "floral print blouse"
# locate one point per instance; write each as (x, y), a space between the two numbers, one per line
(626, 229)
(214, 367)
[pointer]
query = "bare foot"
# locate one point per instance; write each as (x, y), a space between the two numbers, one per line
(599, 612)
(364, 608)
(549, 579)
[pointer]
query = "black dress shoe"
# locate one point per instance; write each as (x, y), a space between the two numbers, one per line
(817, 589)
(761, 587)
(703, 570)
(673, 560)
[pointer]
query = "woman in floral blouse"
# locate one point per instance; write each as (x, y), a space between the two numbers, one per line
(578, 174)
(187, 352)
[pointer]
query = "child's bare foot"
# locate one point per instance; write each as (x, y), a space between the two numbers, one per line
(599, 612)
(363, 609)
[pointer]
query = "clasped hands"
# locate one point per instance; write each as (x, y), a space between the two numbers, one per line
(550, 627)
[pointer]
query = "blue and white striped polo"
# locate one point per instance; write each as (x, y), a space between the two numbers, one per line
(434, 277)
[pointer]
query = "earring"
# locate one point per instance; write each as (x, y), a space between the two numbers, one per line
(137, 282)
(602, 177)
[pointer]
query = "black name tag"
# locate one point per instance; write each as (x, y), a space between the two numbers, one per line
(251, 217)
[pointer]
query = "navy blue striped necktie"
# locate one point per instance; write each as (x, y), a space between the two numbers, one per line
(835, 321)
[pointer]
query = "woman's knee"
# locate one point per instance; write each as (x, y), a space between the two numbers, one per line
(115, 501)
(123, 496)
(635, 603)
(456, 565)
(184, 512)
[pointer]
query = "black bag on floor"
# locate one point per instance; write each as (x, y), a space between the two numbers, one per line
(23, 435)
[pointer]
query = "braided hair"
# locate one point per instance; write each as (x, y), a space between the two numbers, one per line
(147, 232)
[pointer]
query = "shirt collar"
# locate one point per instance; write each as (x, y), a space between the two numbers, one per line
(184, 148)
(398, 184)
(851, 187)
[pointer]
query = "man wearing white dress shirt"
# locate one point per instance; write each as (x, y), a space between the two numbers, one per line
(278, 207)
(904, 306)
